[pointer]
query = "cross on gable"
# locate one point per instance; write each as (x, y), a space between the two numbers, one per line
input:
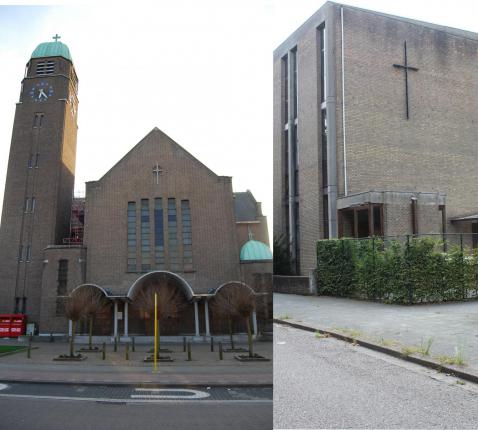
(56, 37)
(406, 68)
(157, 171)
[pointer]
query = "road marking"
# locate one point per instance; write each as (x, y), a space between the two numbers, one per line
(3, 386)
(191, 394)
(132, 401)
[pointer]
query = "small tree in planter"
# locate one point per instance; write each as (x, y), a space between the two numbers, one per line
(95, 301)
(222, 305)
(241, 301)
(74, 311)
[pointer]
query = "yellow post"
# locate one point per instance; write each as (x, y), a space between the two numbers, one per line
(155, 332)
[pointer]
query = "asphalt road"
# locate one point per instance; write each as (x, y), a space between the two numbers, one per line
(326, 383)
(76, 406)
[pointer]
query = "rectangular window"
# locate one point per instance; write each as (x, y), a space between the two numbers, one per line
(30, 161)
(322, 68)
(158, 234)
(33, 205)
(45, 68)
(187, 235)
(38, 120)
(145, 242)
(285, 88)
(37, 159)
(131, 266)
(62, 277)
(20, 253)
(26, 207)
(29, 253)
(294, 82)
(323, 144)
(173, 245)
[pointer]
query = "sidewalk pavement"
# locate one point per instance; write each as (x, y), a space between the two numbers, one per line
(452, 326)
(204, 369)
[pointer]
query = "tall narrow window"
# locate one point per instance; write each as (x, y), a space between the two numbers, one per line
(145, 230)
(37, 159)
(285, 88)
(33, 205)
(38, 120)
(322, 65)
(158, 234)
(173, 235)
(131, 266)
(26, 206)
(323, 144)
(30, 161)
(62, 277)
(187, 235)
(20, 253)
(293, 55)
(29, 253)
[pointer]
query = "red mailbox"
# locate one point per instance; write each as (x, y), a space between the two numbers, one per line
(13, 325)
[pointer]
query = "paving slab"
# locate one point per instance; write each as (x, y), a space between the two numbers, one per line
(205, 368)
(451, 326)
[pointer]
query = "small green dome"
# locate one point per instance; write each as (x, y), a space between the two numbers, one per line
(52, 49)
(254, 250)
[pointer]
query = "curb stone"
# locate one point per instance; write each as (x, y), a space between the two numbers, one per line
(380, 348)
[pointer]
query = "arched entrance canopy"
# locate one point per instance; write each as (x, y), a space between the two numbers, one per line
(242, 284)
(181, 283)
(105, 292)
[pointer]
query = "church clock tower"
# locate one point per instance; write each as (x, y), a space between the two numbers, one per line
(40, 176)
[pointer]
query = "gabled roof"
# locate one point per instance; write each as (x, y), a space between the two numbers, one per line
(245, 206)
(146, 140)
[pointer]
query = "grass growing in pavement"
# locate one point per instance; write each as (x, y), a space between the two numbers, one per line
(425, 347)
(285, 317)
(320, 335)
(387, 342)
(410, 350)
(349, 332)
(458, 359)
(10, 349)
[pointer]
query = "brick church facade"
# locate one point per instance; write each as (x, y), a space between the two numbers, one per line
(374, 130)
(159, 213)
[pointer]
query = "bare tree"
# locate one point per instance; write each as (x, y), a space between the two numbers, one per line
(236, 300)
(94, 302)
(74, 311)
(170, 302)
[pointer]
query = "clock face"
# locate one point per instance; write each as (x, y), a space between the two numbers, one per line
(41, 92)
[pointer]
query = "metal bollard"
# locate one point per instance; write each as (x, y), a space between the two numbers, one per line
(115, 348)
(212, 344)
(220, 351)
(184, 344)
(189, 351)
(133, 345)
(126, 351)
(103, 352)
(29, 350)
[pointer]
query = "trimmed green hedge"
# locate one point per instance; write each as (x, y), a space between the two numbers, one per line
(412, 271)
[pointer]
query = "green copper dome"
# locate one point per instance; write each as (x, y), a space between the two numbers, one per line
(254, 250)
(52, 49)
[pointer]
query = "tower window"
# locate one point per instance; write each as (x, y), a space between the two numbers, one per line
(30, 161)
(45, 68)
(29, 253)
(38, 120)
(33, 205)
(20, 253)
(26, 207)
(37, 158)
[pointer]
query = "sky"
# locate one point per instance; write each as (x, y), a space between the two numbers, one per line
(201, 71)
